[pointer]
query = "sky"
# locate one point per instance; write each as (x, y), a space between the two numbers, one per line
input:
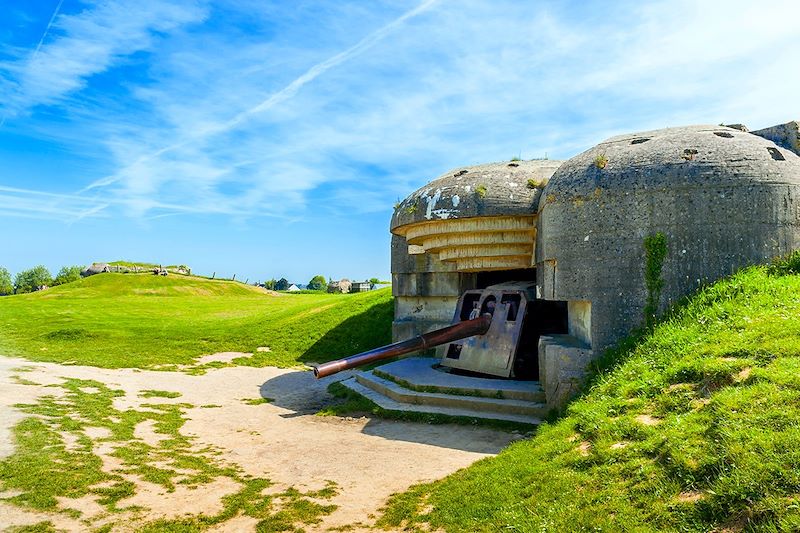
(271, 139)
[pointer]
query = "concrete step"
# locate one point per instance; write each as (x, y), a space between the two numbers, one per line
(391, 404)
(425, 374)
(493, 406)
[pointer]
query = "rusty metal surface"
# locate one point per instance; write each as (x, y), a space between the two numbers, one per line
(457, 331)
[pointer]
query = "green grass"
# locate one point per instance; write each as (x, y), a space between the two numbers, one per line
(40, 527)
(141, 320)
(159, 394)
(692, 427)
(257, 401)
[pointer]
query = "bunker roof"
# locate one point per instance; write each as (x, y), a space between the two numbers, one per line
(691, 156)
(493, 189)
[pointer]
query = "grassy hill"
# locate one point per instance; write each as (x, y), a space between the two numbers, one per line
(141, 320)
(694, 427)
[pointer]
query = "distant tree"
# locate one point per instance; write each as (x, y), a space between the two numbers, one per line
(6, 287)
(374, 281)
(317, 283)
(282, 284)
(68, 274)
(31, 279)
(270, 284)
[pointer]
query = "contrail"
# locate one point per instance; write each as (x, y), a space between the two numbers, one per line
(284, 94)
(320, 68)
(39, 46)
(47, 30)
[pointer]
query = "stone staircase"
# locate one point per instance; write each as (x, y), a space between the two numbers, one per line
(419, 384)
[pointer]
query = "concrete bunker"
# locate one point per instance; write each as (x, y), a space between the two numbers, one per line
(468, 229)
(568, 258)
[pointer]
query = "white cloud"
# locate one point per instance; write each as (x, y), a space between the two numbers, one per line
(345, 107)
(86, 44)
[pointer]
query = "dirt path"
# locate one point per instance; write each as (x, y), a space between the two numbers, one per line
(284, 441)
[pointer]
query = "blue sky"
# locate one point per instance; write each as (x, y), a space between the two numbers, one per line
(270, 139)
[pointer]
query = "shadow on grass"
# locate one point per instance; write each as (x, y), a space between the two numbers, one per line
(365, 331)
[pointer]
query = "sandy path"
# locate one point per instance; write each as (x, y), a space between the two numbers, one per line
(369, 459)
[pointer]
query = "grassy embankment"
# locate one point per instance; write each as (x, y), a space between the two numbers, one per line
(694, 427)
(141, 320)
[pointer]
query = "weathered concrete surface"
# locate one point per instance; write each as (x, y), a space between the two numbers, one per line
(723, 198)
(425, 291)
(563, 367)
(481, 218)
(784, 135)
(393, 397)
(494, 189)
(426, 373)
(472, 219)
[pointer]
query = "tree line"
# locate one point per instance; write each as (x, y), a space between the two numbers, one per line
(35, 278)
(317, 283)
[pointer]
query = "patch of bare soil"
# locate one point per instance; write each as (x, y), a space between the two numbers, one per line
(284, 441)
(221, 357)
(647, 420)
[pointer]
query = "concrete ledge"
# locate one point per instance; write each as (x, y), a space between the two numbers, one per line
(487, 406)
(394, 405)
(563, 366)
(420, 373)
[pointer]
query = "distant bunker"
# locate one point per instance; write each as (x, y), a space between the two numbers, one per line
(609, 239)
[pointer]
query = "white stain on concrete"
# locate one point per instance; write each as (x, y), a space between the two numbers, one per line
(432, 200)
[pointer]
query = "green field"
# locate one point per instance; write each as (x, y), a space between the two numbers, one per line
(695, 427)
(141, 320)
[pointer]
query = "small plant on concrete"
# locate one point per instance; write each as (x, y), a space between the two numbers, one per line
(480, 191)
(534, 184)
(412, 208)
(601, 161)
(655, 247)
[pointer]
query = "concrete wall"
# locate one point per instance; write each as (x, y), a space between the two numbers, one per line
(717, 194)
(425, 291)
(784, 135)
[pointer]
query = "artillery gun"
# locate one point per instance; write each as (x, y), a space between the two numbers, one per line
(494, 331)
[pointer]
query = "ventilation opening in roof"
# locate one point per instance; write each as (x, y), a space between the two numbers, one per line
(723, 134)
(639, 141)
(775, 153)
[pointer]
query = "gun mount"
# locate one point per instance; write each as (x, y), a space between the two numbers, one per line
(459, 330)
(495, 331)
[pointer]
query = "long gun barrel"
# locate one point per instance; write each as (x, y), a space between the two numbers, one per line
(461, 330)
